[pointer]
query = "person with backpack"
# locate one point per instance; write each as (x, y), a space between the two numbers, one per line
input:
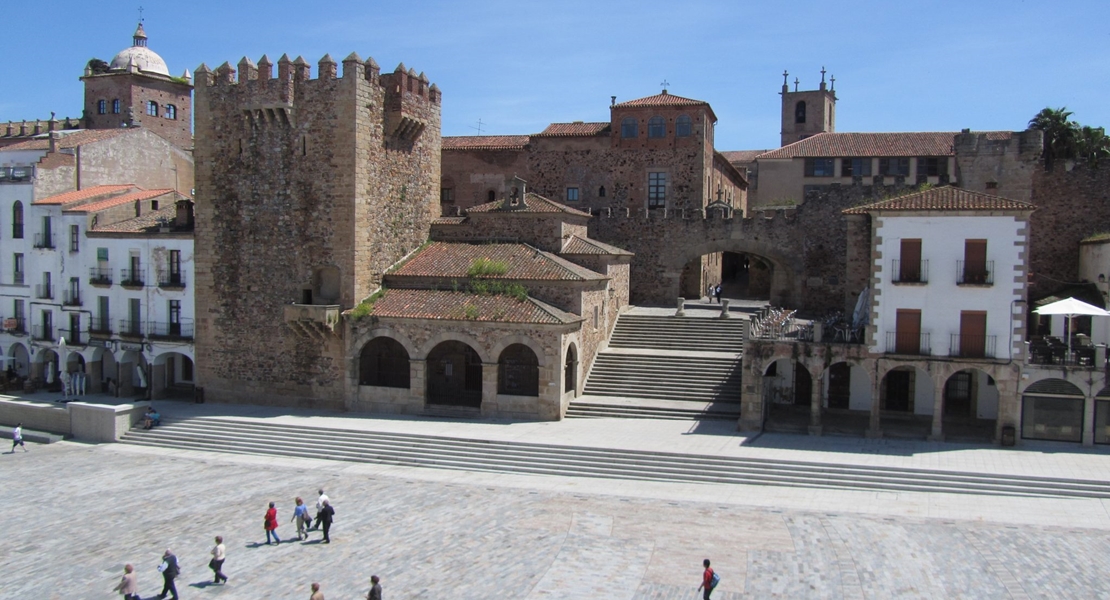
(709, 580)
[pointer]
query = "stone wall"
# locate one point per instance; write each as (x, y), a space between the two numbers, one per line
(134, 91)
(1003, 167)
(473, 174)
(547, 232)
(304, 187)
(139, 157)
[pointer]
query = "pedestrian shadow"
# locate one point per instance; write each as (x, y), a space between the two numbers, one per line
(200, 585)
(254, 545)
(312, 542)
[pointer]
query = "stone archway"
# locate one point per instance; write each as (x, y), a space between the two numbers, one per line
(570, 371)
(454, 375)
(779, 273)
(1052, 409)
(171, 376)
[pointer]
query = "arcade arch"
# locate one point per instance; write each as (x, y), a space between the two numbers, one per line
(171, 375)
(1052, 409)
(384, 362)
(454, 375)
(746, 269)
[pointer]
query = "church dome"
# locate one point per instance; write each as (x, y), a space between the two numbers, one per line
(139, 55)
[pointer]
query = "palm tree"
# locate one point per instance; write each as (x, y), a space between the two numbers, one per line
(1092, 144)
(1060, 132)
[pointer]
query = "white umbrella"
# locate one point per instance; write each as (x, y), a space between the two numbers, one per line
(1070, 307)
(62, 359)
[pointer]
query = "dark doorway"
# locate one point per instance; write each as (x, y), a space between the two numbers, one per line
(803, 386)
(840, 385)
(899, 391)
(570, 371)
(454, 375)
(957, 395)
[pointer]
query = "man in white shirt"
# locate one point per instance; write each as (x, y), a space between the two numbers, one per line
(319, 508)
(17, 439)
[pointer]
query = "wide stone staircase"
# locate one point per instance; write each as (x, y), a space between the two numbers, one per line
(666, 367)
(245, 436)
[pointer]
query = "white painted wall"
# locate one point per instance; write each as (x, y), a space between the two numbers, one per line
(941, 300)
(860, 384)
(923, 388)
(987, 406)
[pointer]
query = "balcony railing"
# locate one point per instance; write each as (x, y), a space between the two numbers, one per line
(44, 292)
(17, 278)
(971, 346)
(1053, 351)
(74, 337)
(974, 273)
(71, 297)
(43, 332)
(100, 276)
(100, 327)
(129, 328)
(15, 325)
(171, 279)
(916, 344)
(131, 277)
(910, 272)
(162, 329)
(44, 241)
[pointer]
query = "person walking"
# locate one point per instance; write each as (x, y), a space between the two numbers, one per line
(219, 553)
(319, 507)
(709, 580)
(300, 515)
(170, 571)
(717, 293)
(17, 438)
(271, 524)
(128, 585)
(375, 592)
(316, 593)
(327, 514)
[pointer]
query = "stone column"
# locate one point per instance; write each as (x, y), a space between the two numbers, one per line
(937, 432)
(815, 405)
(1089, 418)
(875, 429)
(751, 399)
(418, 384)
(489, 390)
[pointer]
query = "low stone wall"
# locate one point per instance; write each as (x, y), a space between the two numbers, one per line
(386, 400)
(33, 415)
(80, 420)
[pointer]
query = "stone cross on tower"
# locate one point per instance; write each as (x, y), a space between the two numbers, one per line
(664, 85)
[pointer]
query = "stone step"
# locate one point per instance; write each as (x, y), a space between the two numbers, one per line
(596, 410)
(249, 437)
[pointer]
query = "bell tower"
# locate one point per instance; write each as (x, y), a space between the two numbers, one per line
(809, 112)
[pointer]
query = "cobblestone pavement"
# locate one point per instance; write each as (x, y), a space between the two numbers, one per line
(77, 513)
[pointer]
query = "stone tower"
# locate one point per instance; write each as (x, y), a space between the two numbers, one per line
(306, 191)
(809, 112)
(136, 90)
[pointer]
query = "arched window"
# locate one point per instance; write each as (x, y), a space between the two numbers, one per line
(17, 220)
(800, 112)
(657, 127)
(384, 362)
(115, 106)
(570, 371)
(152, 108)
(601, 192)
(453, 375)
(491, 196)
(171, 111)
(629, 128)
(683, 126)
(518, 371)
(101, 107)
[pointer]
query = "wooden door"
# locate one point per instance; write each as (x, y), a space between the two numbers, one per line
(910, 269)
(908, 332)
(840, 385)
(975, 261)
(899, 391)
(973, 333)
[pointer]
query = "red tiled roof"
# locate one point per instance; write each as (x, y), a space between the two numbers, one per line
(523, 262)
(117, 200)
(485, 142)
(85, 194)
(742, 156)
(461, 306)
(946, 198)
(663, 99)
(575, 129)
(69, 140)
(927, 143)
(150, 222)
(533, 203)
(579, 245)
(448, 220)
(53, 160)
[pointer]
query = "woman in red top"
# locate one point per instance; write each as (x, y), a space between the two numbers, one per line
(271, 524)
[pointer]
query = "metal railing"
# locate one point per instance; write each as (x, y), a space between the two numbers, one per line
(916, 344)
(911, 272)
(44, 292)
(975, 273)
(71, 297)
(132, 277)
(17, 278)
(44, 241)
(42, 332)
(171, 279)
(977, 346)
(130, 328)
(73, 337)
(162, 329)
(16, 325)
(100, 326)
(100, 276)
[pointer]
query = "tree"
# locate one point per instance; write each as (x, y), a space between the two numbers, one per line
(1092, 144)
(97, 66)
(1061, 134)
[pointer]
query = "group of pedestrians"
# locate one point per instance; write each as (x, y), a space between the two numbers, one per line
(375, 592)
(325, 515)
(169, 568)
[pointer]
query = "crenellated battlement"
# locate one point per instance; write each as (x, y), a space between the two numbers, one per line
(715, 214)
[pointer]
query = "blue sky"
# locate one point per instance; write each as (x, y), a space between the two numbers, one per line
(519, 65)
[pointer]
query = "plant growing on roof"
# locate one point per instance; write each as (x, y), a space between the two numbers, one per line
(484, 267)
(366, 307)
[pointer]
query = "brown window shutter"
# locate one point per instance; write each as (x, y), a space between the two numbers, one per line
(910, 269)
(908, 332)
(975, 261)
(973, 333)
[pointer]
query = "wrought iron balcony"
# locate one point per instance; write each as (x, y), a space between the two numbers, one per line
(129, 328)
(171, 279)
(100, 276)
(909, 272)
(44, 292)
(169, 330)
(43, 332)
(915, 344)
(44, 241)
(971, 346)
(974, 273)
(132, 277)
(71, 297)
(100, 327)
(74, 337)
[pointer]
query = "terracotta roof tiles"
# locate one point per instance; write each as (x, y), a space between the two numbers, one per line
(946, 198)
(69, 140)
(150, 222)
(579, 245)
(523, 263)
(117, 200)
(485, 142)
(742, 156)
(663, 99)
(576, 129)
(85, 194)
(928, 143)
(461, 306)
(533, 203)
